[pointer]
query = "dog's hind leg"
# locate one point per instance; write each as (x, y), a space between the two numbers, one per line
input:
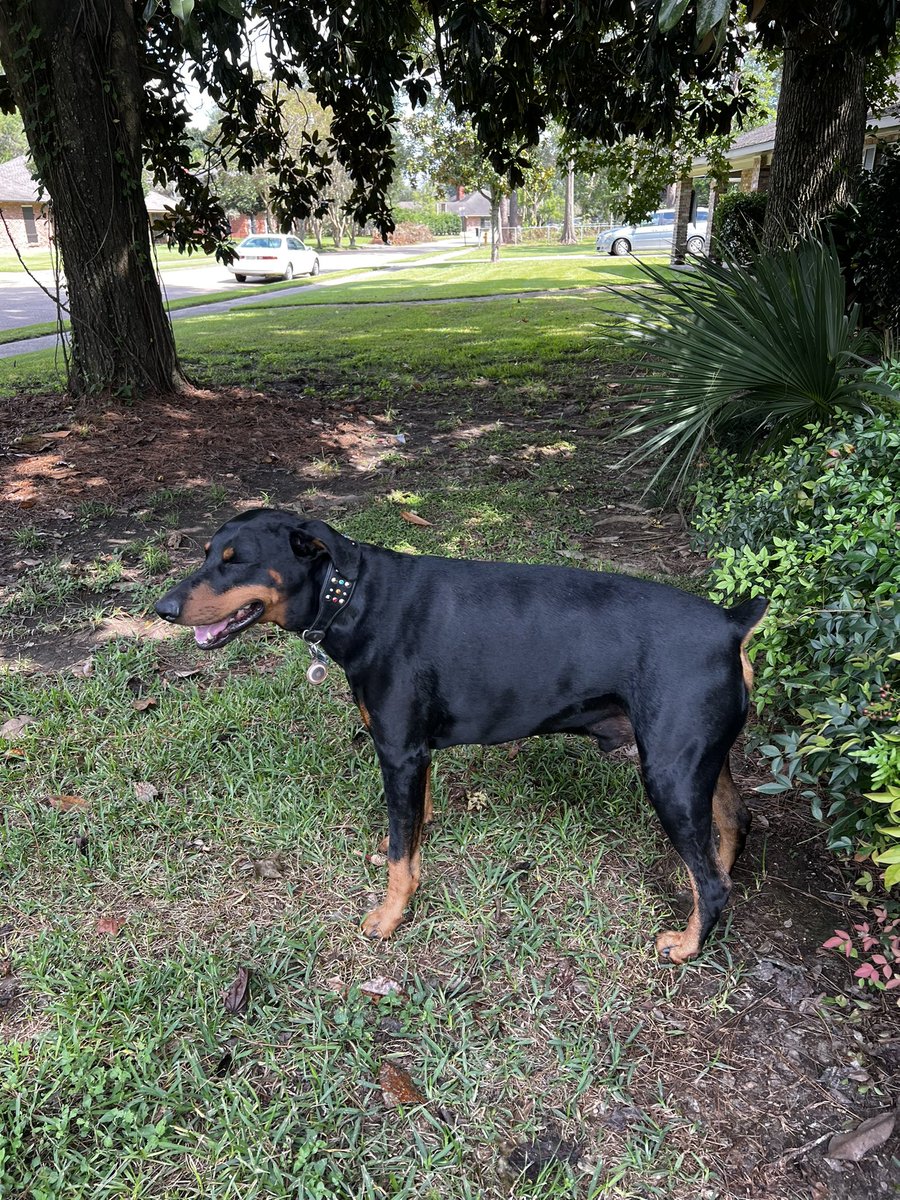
(681, 792)
(406, 780)
(731, 817)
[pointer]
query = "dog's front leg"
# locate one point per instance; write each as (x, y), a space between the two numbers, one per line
(405, 778)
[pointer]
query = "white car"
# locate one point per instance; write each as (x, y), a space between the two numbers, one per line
(655, 234)
(278, 255)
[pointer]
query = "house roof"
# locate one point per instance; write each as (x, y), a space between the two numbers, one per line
(473, 205)
(16, 183)
(746, 146)
(157, 202)
(18, 186)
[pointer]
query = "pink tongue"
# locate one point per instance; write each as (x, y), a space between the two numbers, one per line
(205, 633)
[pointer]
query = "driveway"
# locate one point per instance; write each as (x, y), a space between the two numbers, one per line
(24, 302)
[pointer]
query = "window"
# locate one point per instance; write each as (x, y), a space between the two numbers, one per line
(30, 226)
(295, 244)
(868, 160)
(262, 243)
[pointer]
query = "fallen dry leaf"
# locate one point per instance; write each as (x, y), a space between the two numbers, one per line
(379, 987)
(145, 791)
(237, 996)
(865, 1137)
(14, 726)
(66, 803)
(143, 705)
(414, 518)
(397, 1086)
(86, 668)
(111, 925)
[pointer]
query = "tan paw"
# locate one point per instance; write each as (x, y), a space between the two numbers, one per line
(383, 845)
(677, 947)
(381, 922)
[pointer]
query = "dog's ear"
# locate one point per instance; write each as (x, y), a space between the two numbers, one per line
(312, 538)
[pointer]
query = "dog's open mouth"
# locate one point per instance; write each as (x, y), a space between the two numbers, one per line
(211, 637)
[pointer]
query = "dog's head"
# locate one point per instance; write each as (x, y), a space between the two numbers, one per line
(265, 565)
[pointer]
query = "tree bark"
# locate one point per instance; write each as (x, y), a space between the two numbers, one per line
(74, 71)
(819, 136)
(495, 225)
(515, 219)
(568, 236)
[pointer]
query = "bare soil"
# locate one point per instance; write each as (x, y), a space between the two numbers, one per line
(801, 1053)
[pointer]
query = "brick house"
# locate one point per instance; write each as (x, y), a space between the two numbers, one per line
(24, 220)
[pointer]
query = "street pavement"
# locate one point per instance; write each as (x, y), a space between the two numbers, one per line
(23, 300)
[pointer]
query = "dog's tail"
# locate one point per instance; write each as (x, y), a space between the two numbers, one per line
(747, 616)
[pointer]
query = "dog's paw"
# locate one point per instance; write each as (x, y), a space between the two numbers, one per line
(381, 922)
(677, 947)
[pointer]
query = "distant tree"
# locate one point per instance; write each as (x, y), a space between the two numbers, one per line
(13, 141)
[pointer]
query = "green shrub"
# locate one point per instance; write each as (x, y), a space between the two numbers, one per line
(813, 526)
(738, 221)
(440, 224)
(868, 237)
(751, 356)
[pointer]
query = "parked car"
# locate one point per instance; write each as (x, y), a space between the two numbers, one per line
(656, 234)
(273, 254)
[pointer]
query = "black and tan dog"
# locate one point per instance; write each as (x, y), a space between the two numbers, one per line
(440, 652)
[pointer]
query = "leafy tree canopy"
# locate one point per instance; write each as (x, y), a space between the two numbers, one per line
(604, 70)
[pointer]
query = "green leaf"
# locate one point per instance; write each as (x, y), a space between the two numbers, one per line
(670, 13)
(181, 9)
(888, 856)
(709, 14)
(892, 875)
(234, 8)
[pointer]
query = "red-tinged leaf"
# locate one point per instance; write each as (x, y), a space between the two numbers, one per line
(866, 971)
(111, 925)
(895, 982)
(834, 943)
(397, 1086)
(238, 995)
(143, 705)
(67, 803)
(376, 989)
(414, 518)
(14, 726)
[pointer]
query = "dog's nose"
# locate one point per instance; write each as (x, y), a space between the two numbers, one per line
(169, 607)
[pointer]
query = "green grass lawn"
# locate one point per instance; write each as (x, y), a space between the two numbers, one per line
(475, 275)
(501, 339)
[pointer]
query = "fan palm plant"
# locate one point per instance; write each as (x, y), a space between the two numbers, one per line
(761, 352)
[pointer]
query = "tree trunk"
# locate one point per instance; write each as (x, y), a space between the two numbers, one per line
(515, 219)
(504, 220)
(819, 136)
(75, 76)
(495, 226)
(568, 236)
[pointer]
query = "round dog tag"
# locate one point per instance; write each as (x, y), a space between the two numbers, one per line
(316, 672)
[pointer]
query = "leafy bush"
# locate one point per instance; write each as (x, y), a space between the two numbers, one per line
(755, 356)
(814, 527)
(440, 224)
(868, 236)
(738, 221)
